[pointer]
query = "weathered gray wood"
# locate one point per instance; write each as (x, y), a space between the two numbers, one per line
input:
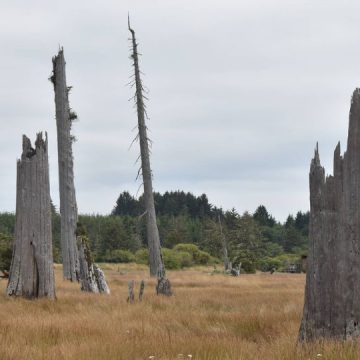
(152, 232)
(92, 278)
(31, 273)
(86, 275)
(101, 281)
(235, 271)
(131, 296)
(77, 262)
(163, 287)
(68, 206)
(332, 307)
(141, 291)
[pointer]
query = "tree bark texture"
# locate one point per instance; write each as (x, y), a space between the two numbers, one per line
(31, 272)
(92, 278)
(163, 287)
(332, 292)
(68, 206)
(155, 259)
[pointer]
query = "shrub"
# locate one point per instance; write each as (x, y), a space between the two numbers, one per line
(184, 258)
(199, 257)
(189, 248)
(268, 263)
(171, 260)
(215, 261)
(176, 259)
(182, 255)
(142, 256)
(248, 266)
(5, 252)
(119, 256)
(286, 259)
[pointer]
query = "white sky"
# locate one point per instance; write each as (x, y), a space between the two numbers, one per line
(240, 91)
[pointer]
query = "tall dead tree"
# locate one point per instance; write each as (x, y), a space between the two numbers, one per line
(155, 259)
(77, 261)
(31, 273)
(332, 307)
(68, 207)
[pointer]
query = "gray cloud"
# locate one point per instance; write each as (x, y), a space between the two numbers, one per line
(239, 94)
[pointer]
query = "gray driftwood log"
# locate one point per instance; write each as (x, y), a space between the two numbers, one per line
(332, 293)
(68, 206)
(155, 259)
(31, 273)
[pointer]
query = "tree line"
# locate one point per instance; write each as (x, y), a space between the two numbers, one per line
(257, 241)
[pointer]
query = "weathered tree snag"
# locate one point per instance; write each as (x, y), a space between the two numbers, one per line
(91, 277)
(141, 291)
(76, 256)
(235, 271)
(155, 259)
(31, 272)
(101, 281)
(131, 296)
(332, 293)
(163, 287)
(68, 206)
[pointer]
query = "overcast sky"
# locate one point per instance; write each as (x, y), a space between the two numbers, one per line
(240, 91)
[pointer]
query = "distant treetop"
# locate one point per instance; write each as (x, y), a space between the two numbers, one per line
(172, 203)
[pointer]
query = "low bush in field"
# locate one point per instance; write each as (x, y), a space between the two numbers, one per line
(189, 248)
(5, 252)
(119, 256)
(142, 256)
(279, 263)
(176, 259)
(268, 263)
(248, 266)
(181, 256)
(171, 261)
(199, 257)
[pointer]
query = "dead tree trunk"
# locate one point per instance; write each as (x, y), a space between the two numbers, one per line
(31, 272)
(163, 287)
(332, 308)
(92, 278)
(141, 291)
(68, 207)
(76, 264)
(155, 259)
(131, 296)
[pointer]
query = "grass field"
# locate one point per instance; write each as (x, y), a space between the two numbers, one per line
(210, 317)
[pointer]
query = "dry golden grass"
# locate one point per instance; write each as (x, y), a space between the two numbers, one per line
(210, 317)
